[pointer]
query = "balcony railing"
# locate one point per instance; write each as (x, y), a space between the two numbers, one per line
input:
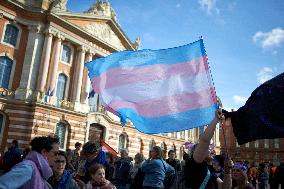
(65, 104)
(6, 92)
(99, 109)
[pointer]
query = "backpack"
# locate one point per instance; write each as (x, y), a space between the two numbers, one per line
(170, 179)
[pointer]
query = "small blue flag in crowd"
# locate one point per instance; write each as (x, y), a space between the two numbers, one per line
(262, 117)
(160, 91)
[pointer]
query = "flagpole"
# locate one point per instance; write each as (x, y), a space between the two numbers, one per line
(219, 104)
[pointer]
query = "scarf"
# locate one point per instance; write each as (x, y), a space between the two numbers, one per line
(102, 185)
(63, 181)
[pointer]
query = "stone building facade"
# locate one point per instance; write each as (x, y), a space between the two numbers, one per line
(44, 87)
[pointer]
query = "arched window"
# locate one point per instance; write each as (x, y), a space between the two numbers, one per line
(61, 133)
(122, 141)
(5, 71)
(174, 135)
(66, 54)
(141, 145)
(164, 149)
(11, 34)
(151, 145)
(61, 86)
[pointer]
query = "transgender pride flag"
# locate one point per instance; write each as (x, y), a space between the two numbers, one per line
(160, 91)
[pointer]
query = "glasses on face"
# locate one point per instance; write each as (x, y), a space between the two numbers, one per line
(60, 161)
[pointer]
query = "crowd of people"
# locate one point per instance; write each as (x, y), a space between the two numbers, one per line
(44, 166)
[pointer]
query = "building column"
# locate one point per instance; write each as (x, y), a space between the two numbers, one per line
(87, 83)
(43, 70)
(78, 78)
(31, 64)
(56, 58)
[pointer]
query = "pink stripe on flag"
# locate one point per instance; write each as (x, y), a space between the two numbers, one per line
(167, 105)
(129, 75)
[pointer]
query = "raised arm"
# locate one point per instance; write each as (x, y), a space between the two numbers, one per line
(201, 151)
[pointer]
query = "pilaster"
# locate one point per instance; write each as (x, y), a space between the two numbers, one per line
(31, 64)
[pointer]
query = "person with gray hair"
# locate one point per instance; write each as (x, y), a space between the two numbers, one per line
(134, 175)
(122, 169)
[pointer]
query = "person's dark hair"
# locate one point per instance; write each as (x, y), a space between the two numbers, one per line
(171, 151)
(62, 153)
(220, 159)
(77, 144)
(185, 156)
(139, 157)
(110, 156)
(91, 147)
(26, 152)
(43, 142)
(15, 142)
(95, 168)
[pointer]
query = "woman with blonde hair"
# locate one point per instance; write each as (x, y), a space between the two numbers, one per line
(239, 177)
(155, 170)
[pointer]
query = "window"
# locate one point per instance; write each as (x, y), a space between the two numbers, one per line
(276, 143)
(266, 143)
(182, 134)
(174, 135)
(152, 144)
(61, 133)
(256, 144)
(141, 146)
(11, 34)
(5, 71)
(237, 144)
(1, 123)
(247, 145)
(66, 54)
(61, 86)
(164, 149)
(181, 150)
(122, 142)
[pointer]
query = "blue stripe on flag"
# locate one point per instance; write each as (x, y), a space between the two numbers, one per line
(165, 124)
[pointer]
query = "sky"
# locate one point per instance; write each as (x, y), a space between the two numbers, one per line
(244, 39)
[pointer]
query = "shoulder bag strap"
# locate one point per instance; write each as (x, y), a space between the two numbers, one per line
(205, 181)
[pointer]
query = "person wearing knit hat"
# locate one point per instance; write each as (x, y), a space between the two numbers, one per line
(239, 177)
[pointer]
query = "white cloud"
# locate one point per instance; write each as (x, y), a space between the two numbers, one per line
(209, 6)
(178, 5)
(264, 74)
(269, 39)
(240, 99)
